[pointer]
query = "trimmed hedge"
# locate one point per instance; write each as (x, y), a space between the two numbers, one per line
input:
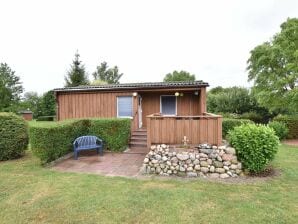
(13, 136)
(230, 123)
(256, 145)
(292, 124)
(51, 141)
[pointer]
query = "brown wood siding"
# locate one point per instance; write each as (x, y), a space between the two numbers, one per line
(188, 104)
(98, 104)
(171, 130)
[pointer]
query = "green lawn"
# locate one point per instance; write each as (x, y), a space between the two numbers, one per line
(33, 194)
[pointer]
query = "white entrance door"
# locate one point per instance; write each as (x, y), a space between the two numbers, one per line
(140, 112)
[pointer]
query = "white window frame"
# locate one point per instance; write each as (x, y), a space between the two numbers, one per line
(160, 103)
(130, 117)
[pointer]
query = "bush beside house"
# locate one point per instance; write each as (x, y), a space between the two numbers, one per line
(51, 141)
(13, 136)
(256, 145)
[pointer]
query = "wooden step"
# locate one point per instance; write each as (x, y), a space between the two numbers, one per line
(139, 138)
(140, 144)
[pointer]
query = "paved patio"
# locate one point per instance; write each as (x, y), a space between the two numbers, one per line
(110, 164)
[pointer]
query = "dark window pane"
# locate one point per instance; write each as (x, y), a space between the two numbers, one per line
(168, 105)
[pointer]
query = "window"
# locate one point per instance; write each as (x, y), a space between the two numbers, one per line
(168, 105)
(124, 106)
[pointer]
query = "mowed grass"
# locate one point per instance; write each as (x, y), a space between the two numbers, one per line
(30, 193)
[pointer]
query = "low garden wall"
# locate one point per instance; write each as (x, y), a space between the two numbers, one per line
(206, 161)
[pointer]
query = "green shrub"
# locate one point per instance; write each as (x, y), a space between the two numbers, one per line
(13, 136)
(253, 116)
(49, 141)
(256, 145)
(279, 128)
(292, 124)
(229, 124)
(46, 118)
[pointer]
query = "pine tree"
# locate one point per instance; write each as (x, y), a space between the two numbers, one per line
(76, 76)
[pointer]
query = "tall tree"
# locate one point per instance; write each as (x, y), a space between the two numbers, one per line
(76, 76)
(273, 67)
(106, 74)
(179, 76)
(48, 104)
(10, 87)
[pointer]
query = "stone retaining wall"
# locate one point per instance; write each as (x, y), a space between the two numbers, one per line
(206, 161)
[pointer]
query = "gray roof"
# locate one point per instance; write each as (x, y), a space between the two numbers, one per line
(136, 86)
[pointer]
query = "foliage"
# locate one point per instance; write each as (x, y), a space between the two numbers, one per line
(46, 118)
(10, 87)
(229, 124)
(14, 136)
(273, 68)
(48, 104)
(179, 76)
(279, 128)
(76, 76)
(51, 140)
(229, 100)
(106, 74)
(98, 82)
(256, 145)
(238, 101)
(31, 101)
(253, 116)
(291, 122)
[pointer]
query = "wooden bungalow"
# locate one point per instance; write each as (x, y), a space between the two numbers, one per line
(160, 112)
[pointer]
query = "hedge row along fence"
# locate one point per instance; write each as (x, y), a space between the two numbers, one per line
(53, 140)
(292, 124)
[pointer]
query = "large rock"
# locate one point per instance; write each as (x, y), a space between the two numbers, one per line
(233, 166)
(154, 161)
(146, 160)
(164, 158)
(197, 167)
(204, 163)
(212, 169)
(181, 169)
(183, 156)
(224, 175)
(218, 164)
(196, 162)
(220, 170)
(157, 157)
(230, 150)
(227, 157)
(206, 151)
(192, 174)
(174, 160)
(204, 169)
(189, 169)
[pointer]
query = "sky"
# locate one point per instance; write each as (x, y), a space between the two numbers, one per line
(145, 39)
